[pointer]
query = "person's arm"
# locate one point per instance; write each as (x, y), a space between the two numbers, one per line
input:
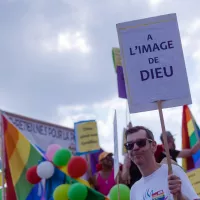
(187, 190)
(189, 152)
(125, 174)
(119, 178)
(93, 181)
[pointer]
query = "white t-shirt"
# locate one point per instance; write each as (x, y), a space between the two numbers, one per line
(155, 186)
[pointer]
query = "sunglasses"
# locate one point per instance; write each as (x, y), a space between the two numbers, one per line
(140, 143)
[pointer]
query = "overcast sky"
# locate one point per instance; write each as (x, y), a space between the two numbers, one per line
(56, 63)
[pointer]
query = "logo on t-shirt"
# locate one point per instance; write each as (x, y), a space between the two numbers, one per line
(160, 195)
(151, 195)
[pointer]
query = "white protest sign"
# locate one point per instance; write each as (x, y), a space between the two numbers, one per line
(154, 64)
(41, 133)
(116, 156)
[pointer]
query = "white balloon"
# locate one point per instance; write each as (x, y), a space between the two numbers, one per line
(45, 170)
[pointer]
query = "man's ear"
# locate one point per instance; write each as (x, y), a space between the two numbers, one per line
(154, 146)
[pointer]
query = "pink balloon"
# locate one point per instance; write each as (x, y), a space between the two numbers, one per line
(51, 150)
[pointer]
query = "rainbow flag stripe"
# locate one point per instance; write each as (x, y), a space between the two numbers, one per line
(189, 138)
(20, 155)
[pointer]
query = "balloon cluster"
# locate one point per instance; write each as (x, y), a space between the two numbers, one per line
(73, 166)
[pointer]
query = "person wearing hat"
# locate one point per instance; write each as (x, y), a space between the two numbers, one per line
(185, 153)
(104, 179)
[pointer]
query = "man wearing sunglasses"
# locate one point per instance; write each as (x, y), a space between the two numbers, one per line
(155, 182)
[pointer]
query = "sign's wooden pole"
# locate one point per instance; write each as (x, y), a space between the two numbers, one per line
(162, 122)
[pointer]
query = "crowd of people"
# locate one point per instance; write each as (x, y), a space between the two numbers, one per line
(145, 168)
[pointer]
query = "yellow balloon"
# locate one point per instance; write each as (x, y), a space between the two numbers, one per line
(84, 182)
(60, 193)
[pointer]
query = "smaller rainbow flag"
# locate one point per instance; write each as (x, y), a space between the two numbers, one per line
(190, 136)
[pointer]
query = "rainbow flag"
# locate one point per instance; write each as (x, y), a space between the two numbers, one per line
(190, 134)
(20, 155)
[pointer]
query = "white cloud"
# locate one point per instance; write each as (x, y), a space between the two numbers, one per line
(194, 27)
(196, 55)
(70, 114)
(68, 121)
(190, 39)
(186, 41)
(114, 103)
(63, 109)
(66, 41)
(155, 2)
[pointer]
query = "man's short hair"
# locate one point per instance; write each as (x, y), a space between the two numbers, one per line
(168, 133)
(135, 129)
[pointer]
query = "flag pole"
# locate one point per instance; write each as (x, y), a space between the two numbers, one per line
(3, 158)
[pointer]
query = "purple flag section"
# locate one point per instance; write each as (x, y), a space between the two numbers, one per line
(197, 164)
(121, 83)
(94, 160)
